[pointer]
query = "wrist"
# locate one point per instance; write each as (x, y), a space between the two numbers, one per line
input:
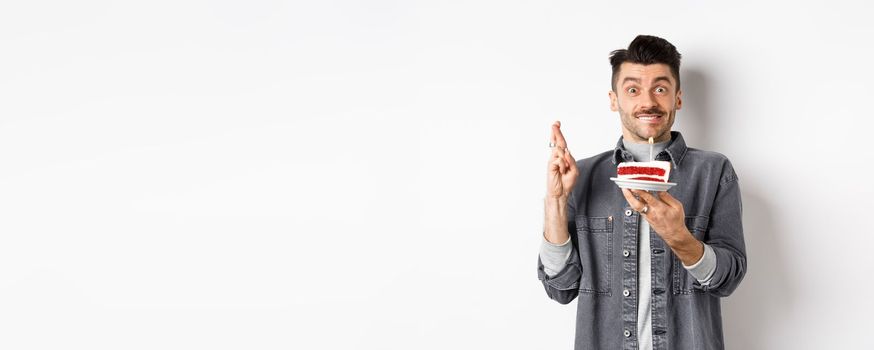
(687, 248)
(679, 238)
(555, 207)
(555, 229)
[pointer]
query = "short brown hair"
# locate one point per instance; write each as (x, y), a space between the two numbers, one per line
(647, 49)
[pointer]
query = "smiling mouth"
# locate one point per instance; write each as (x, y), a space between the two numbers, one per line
(649, 117)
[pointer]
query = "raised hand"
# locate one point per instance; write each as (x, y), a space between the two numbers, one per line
(562, 169)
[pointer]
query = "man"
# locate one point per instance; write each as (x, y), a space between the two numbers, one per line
(648, 269)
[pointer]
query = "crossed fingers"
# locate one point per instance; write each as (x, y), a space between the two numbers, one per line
(561, 156)
(558, 140)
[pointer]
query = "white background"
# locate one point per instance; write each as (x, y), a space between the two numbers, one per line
(370, 174)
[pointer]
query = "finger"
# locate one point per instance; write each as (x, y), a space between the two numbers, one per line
(572, 163)
(552, 165)
(556, 153)
(558, 137)
(670, 200)
(633, 202)
(554, 162)
(553, 137)
(649, 199)
(560, 164)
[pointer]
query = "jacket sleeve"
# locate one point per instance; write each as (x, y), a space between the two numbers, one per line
(725, 236)
(564, 286)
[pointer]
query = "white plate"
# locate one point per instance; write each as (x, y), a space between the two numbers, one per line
(643, 185)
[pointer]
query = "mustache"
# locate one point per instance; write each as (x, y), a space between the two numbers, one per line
(653, 110)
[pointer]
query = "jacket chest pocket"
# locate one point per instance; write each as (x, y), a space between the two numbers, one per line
(684, 282)
(595, 239)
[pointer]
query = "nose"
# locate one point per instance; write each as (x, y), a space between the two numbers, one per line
(647, 101)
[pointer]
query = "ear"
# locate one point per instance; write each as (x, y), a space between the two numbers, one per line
(679, 99)
(614, 102)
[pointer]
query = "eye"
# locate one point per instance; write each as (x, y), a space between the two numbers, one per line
(632, 90)
(661, 90)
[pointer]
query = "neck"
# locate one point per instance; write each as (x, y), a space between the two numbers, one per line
(640, 151)
(628, 137)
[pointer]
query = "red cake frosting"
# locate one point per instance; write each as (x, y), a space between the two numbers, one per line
(655, 171)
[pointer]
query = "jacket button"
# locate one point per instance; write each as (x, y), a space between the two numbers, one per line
(626, 292)
(626, 333)
(628, 212)
(626, 253)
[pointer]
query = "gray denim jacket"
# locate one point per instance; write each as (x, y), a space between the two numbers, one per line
(603, 227)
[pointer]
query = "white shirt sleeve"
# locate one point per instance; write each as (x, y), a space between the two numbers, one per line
(704, 268)
(554, 256)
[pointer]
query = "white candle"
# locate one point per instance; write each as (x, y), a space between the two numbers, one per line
(650, 150)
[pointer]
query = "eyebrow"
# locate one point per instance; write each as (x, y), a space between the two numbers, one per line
(637, 80)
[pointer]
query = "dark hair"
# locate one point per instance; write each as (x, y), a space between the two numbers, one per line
(647, 49)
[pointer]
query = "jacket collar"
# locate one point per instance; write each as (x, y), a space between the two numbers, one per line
(675, 151)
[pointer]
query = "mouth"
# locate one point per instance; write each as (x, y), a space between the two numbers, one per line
(649, 118)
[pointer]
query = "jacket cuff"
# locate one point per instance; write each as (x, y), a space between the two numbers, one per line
(566, 279)
(555, 256)
(705, 267)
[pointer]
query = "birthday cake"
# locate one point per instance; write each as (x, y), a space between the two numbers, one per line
(655, 171)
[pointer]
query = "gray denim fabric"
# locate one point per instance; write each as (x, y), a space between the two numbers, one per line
(603, 265)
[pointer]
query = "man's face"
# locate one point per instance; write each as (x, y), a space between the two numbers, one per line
(647, 100)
